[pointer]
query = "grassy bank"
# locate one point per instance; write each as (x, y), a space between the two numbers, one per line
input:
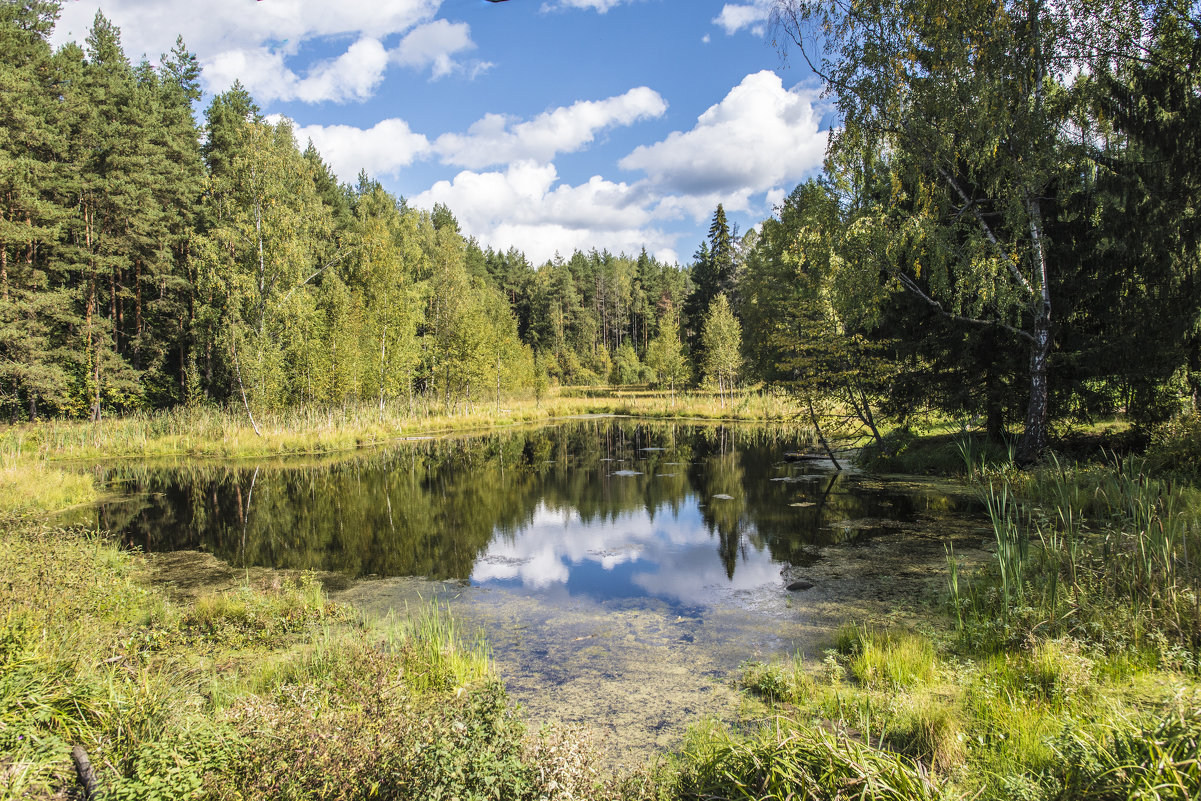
(214, 432)
(264, 692)
(1066, 668)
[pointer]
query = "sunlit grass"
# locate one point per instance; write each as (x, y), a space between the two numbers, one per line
(33, 488)
(258, 692)
(209, 431)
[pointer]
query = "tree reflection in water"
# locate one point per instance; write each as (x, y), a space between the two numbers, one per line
(610, 508)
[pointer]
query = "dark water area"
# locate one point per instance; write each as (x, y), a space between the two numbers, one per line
(604, 508)
(621, 570)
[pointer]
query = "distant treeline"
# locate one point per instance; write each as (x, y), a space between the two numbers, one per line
(1006, 228)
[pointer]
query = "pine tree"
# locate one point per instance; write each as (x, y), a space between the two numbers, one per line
(35, 301)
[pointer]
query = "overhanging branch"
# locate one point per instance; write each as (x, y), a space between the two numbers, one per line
(912, 286)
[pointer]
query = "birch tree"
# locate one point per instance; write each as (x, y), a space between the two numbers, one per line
(967, 103)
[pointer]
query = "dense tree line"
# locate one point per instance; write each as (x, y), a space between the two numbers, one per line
(1006, 227)
(1007, 222)
(148, 260)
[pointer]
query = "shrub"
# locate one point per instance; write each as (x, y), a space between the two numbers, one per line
(1176, 446)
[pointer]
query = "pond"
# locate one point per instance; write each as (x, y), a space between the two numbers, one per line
(621, 570)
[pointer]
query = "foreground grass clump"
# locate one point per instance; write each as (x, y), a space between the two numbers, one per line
(269, 692)
(1043, 723)
(889, 659)
(1103, 554)
(781, 760)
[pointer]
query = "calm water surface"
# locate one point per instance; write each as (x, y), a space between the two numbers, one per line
(621, 570)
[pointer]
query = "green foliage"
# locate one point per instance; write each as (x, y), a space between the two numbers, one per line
(1176, 446)
(722, 337)
(887, 658)
(781, 760)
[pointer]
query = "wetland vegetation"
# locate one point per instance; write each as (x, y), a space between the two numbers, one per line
(250, 411)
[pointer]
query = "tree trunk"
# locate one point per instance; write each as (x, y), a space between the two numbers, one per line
(1034, 437)
(383, 350)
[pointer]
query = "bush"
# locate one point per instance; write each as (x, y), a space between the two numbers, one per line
(1176, 446)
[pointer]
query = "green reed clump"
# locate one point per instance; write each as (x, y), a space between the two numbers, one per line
(781, 759)
(435, 653)
(887, 658)
(777, 680)
(1103, 553)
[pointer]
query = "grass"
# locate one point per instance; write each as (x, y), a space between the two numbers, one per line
(781, 760)
(885, 658)
(261, 692)
(34, 488)
(208, 431)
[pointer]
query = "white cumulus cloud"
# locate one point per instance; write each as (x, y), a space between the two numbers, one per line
(498, 139)
(354, 75)
(760, 136)
(382, 150)
(736, 16)
(259, 43)
(434, 45)
(523, 207)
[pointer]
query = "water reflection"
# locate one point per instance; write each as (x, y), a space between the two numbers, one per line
(604, 509)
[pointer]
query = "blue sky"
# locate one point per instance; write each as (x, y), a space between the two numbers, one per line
(547, 125)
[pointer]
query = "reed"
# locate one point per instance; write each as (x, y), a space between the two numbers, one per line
(783, 760)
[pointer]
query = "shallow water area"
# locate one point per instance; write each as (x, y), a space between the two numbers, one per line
(621, 571)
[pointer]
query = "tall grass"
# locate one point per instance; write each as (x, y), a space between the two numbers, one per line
(886, 658)
(214, 431)
(1012, 544)
(1104, 552)
(436, 653)
(782, 760)
(34, 488)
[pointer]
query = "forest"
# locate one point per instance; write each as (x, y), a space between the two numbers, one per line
(1005, 231)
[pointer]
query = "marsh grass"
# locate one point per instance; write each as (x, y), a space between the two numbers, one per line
(436, 653)
(267, 692)
(784, 681)
(782, 760)
(210, 431)
(34, 488)
(886, 657)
